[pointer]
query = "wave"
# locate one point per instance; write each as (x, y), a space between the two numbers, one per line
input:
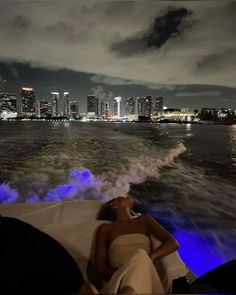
(82, 184)
(115, 183)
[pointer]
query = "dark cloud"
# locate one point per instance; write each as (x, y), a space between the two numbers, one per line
(207, 62)
(191, 42)
(21, 23)
(170, 25)
(220, 63)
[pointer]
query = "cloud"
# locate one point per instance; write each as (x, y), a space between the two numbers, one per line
(163, 28)
(146, 42)
(204, 93)
(100, 79)
(112, 80)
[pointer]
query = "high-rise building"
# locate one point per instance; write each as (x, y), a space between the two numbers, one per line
(129, 106)
(105, 109)
(55, 104)
(8, 104)
(37, 108)
(45, 109)
(28, 101)
(117, 106)
(66, 101)
(74, 109)
(92, 104)
(144, 106)
(157, 104)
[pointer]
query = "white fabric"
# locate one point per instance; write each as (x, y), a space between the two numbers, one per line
(172, 268)
(129, 254)
(73, 223)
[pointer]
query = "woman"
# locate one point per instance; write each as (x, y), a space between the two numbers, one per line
(123, 254)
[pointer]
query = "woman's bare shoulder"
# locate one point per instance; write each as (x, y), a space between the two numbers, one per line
(144, 217)
(104, 228)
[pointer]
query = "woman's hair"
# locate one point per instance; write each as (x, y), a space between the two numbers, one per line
(106, 212)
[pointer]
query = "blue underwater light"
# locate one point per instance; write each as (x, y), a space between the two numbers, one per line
(198, 252)
(7, 194)
(82, 184)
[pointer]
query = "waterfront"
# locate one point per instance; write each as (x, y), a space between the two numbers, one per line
(185, 175)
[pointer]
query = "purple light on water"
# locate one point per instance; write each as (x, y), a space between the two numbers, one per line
(199, 253)
(7, 194)
(60, 193)
(82, 184)
(83, 179)
(34, 199)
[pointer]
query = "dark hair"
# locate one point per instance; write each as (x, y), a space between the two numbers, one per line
(106, 212)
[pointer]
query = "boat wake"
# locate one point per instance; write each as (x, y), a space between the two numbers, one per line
(82, 184)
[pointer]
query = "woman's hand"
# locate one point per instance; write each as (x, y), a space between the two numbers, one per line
(152, 257)
(168, 242)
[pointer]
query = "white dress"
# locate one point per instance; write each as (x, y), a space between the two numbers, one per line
(129, 253)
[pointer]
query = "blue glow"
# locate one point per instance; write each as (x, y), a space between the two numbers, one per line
(7, 194)
(81, 185)
(34, 199)
(60, 193)
(198, 252)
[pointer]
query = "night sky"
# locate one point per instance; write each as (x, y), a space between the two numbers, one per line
(184, 51)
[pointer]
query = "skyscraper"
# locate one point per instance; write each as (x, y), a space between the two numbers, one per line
(129, 106)
(45, 109)
(92, 104)
(144, 106)
(66, 101)
(117, 106)
(74, 109)
(28, 101)
(105, 109)
(8, 104)
(55, 104)
(157, 104)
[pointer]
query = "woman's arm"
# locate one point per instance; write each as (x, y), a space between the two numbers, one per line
(169, 244)
(101, 253)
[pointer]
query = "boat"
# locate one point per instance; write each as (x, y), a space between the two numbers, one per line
(73, 224)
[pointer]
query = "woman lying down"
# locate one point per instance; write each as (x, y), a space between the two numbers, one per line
(123, 255)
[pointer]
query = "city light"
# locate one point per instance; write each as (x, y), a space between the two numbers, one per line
(27, 89)
(118, 100)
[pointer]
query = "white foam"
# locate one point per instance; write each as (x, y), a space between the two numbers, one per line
(136, 171)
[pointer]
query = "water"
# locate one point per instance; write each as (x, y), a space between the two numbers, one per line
(184, 175)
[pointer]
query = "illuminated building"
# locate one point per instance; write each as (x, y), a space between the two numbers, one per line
(74, 109)
(8, 105)
(144, 106)
(66, 101)
(209, 114)
(45, 109)
(55, 104)
(117, 110)
(37, 108)
(177, 114)
(92, 104)
(105, 109)
(28, 101)
(129, 106)
(157, 104)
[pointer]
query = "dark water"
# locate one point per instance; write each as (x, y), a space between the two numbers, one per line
(185, 175)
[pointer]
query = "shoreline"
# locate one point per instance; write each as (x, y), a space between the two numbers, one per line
(118, 121)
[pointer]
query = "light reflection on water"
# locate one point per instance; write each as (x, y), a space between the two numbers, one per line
(192, 192)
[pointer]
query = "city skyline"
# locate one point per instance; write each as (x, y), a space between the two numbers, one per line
(183, 51)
